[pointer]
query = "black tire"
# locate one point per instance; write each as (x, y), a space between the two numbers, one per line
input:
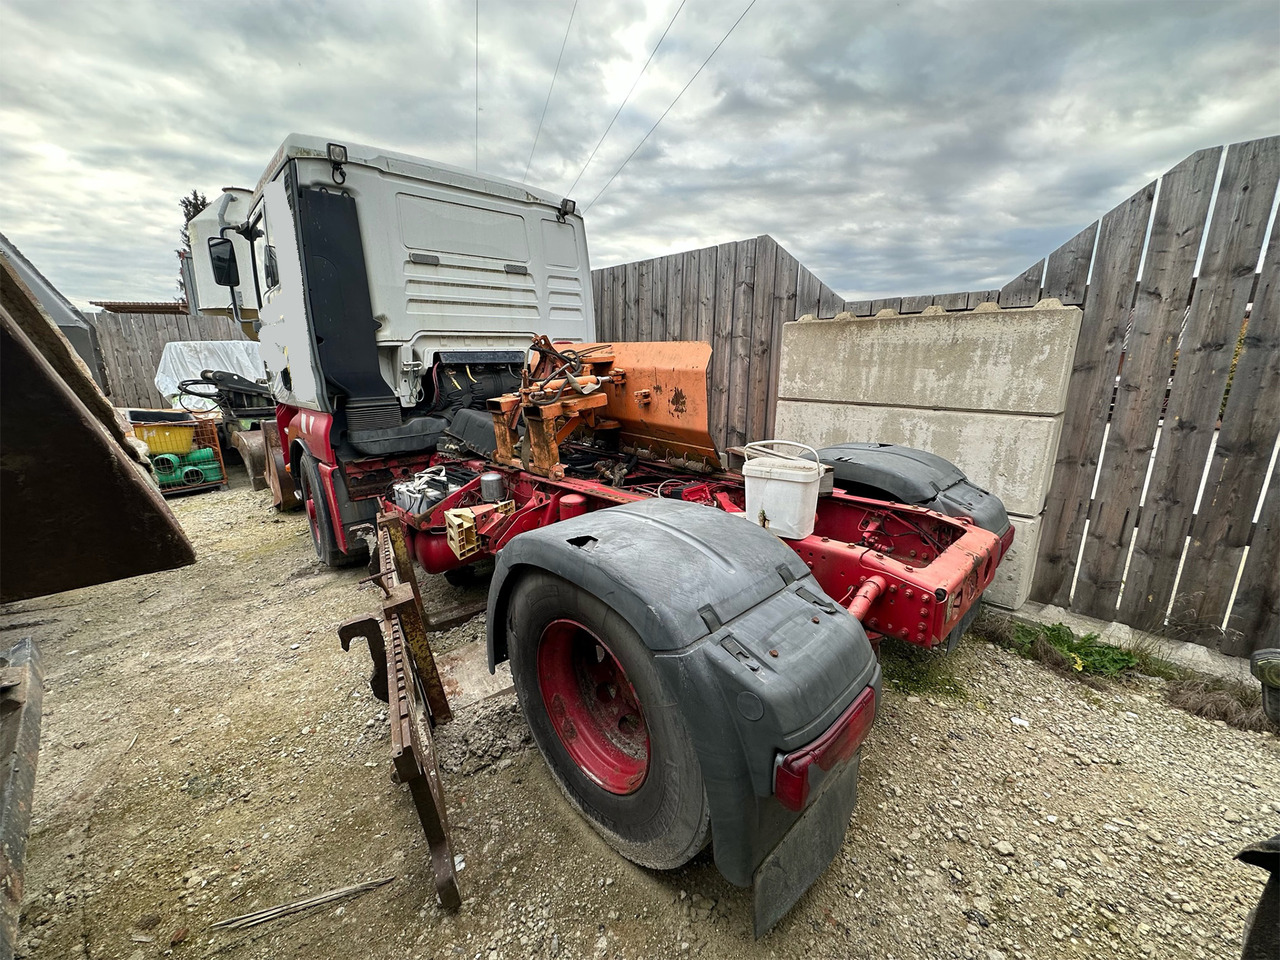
(322, 536)
(666, 821)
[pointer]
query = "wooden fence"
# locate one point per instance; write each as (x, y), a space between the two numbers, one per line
(131, 345)
(1179, 303)
(735, 296)
(1146, 414)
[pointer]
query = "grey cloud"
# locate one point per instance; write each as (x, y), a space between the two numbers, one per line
(895, 149)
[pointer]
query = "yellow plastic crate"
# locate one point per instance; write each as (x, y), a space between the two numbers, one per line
(166, 437)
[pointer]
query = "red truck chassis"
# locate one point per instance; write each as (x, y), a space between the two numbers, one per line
(903, 571)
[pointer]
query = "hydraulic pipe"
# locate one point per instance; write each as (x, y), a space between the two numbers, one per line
(866, 596)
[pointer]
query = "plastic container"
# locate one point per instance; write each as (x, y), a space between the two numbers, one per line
(211, 471)
(175, 438)
(166, 465)
(781, 488)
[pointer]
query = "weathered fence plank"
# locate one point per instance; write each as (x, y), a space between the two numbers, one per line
(1255, 616)
(1067, 272)
(644, 299)
(808, 294)
(830, 302)
(1212, 328)
(740, 345)
(1024, 289)
(952, 301)
(722, 337)
(1248, 435)
(704, 326)
(1161, 302)
(786, 276)
(690, 268)
(631, 300)
(761, 337)
(735, 296)
(1089, 395)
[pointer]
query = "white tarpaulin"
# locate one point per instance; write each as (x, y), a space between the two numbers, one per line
(186, 359)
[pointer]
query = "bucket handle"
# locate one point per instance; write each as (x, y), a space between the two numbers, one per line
(762, 448)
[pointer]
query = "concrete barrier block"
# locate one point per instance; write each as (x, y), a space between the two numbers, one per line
(1011, 456)
(1012, 585)
(1016, 361)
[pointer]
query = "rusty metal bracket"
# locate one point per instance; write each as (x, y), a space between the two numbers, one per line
(403, 604)
(370, 629)
(413, 753)
(405, 674)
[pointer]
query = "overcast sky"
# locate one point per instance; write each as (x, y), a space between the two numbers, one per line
(894, 148)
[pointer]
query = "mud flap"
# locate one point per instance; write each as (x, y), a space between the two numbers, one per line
(806, 851)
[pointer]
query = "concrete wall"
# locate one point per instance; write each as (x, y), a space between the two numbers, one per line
(985, 389)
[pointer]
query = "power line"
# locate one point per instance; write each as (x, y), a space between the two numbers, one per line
(673, 103)
(477, 86)
(549, 89)
(624, 99)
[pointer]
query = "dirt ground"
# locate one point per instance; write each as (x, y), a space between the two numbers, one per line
(208, 750)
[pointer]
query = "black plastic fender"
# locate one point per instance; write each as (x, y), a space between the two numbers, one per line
(756, 656)
(922, 479)
(916, 477)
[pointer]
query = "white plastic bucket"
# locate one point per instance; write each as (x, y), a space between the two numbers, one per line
(781, 487)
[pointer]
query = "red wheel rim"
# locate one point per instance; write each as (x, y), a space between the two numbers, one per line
(593, 707)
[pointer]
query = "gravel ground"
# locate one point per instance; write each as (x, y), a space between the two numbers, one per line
(208, 750)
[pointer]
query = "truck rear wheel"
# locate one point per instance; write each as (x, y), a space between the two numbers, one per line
(615, 743)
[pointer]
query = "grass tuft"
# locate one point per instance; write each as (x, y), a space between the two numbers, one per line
(1234, 702)
(911, 669)
(1082, 658)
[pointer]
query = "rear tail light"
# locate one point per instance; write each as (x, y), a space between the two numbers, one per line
(833, 748)
(1006, 541)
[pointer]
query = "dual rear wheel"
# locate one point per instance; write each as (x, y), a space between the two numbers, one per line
(615, 743)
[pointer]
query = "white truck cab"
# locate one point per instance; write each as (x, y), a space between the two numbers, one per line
(378, 283)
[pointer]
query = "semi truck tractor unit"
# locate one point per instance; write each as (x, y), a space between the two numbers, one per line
(693, 644)
(386, 293)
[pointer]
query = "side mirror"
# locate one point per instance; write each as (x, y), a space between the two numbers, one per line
(222, 257)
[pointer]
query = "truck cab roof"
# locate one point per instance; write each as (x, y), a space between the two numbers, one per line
(302, 146)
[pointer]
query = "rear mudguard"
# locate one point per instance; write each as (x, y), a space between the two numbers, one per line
(916, 477)
(755, 656)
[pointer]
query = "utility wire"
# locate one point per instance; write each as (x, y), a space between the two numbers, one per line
(477, 45)
(624, 99)
(673, 103)
(552, 87)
